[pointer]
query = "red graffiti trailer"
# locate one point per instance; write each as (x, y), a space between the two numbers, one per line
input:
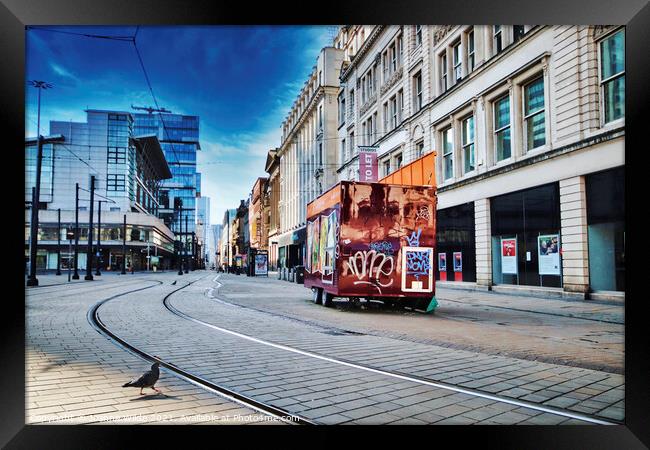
(374, 241)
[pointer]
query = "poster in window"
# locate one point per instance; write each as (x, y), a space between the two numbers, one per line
(458, 261)
(442, 262)
(509, 256)
(548, 247)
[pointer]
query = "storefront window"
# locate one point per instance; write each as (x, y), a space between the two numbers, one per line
(455, 244)
(526, 241)
(606, 229)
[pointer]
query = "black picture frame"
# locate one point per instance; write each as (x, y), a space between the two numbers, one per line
(16, 14)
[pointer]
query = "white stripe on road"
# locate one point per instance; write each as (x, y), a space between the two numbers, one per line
(389, 374)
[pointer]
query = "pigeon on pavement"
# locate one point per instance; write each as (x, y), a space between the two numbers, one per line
(148, 379)
(174, 282)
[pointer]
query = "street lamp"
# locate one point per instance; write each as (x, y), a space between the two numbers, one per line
(32, 280)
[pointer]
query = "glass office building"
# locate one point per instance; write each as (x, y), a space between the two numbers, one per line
(179, 138)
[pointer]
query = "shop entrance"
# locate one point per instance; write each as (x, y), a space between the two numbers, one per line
(526, 237)
(606, 229)
(455, 244)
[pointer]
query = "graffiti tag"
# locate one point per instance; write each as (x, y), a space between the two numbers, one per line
(414, 239)
(371, 265)
(384, 247)
(418, 263)
(422, 213)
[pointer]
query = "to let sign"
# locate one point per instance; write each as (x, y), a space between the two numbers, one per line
(368, 166)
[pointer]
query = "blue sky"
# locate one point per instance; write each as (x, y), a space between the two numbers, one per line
(240, 80)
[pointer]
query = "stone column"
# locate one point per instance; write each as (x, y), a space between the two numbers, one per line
(483, 240)
(573, 235)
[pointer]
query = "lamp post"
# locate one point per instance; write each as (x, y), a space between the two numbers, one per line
(32, 280)
(99, 233)
(185, 245)
(76, 233)
(58, 245)
(89, 257)
(124, 247)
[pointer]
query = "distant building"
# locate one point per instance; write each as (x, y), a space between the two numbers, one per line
(128, 170)
(179, 138)
(215, 244)
(226, 249)
(272, 167)
(203, 227)
(308, 153)
(257, 216)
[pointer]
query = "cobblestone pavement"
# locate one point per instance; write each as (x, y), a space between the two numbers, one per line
(74, 375)
(321, 390)
(578, 334)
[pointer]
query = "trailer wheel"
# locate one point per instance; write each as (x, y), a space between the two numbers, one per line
(327, 299)
(317, 295)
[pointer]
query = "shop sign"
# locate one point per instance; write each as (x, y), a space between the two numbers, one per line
(458, 261)
(442, 262)
(548, 250)
(368, 167)
(509, 256)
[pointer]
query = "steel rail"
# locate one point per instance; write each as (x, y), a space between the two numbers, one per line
(394, 374)
(95, 320)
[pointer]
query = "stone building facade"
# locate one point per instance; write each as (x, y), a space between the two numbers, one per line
(528, 127)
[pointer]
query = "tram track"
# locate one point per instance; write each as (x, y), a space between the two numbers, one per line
(95, 321)
(389, 373)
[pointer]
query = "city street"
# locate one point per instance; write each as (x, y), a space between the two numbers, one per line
(236, 349)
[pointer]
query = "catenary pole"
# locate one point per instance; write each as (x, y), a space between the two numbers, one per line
(89, 257)
(75, 276)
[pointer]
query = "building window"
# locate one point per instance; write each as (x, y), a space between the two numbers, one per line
(384, 60)
(320, 118)
(502, 127)
(468, 143)
(393, 113)
(470, 51)
(417, 87)
(534, 114)
(344, 156)
(386, 117)
(341, 110)
(386, 167)
(399, 51)
(612, 75)
(447, 154)
(393, 58)
(352, 101)
(443, 72)
(398, 161)
(498, 39)
(419, 149)
(116, 155)
(400, 106)
(115, 182)
(418, 35)
(352, 144)
(517, 32)
(458, 71)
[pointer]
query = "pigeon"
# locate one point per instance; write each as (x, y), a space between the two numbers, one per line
(148, 379)
(174, 282)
